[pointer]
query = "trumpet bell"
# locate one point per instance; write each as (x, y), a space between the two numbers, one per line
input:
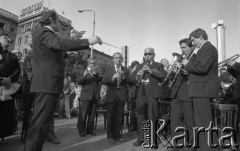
(176, 56)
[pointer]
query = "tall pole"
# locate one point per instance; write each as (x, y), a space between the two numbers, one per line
(220, 32)
(93, 26)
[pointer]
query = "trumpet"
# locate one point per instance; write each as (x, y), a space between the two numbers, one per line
(95, 71)
(176, 57)
(172, 82)
(223, 63)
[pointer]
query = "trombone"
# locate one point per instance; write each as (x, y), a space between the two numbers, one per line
(223, 63)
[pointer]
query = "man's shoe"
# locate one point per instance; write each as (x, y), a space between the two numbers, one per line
(82, 134)
(110, 140)
(154, 147)
(92, 133)
(137, 143)
(53, 140)
(120, 139)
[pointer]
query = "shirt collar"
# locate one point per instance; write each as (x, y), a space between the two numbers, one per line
(116, 67)
(202, 44)
(49, 27)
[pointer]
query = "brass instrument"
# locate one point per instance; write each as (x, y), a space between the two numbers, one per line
(95, 71)
(172, 82)
(176, 57)
(223, 63)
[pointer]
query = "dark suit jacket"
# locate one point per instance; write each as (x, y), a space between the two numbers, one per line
(156, 77)
(27, 74)
(203, 73)
(48, 59)
(90, 87)
(9, 65)
(112, 91)
(180, 88)
(235, 71)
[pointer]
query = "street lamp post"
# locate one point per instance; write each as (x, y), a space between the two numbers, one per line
(81, 11)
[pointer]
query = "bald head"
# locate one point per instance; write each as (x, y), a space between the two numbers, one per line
(149, 54)
(149, 50)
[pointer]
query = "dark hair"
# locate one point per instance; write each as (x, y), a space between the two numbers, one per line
(134, 63)
(187, 41)
(117, 53)
(4, 34)
(197, 33)
(46, 17)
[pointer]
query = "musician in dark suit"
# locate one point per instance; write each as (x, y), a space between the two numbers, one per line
(166, 91)
(203, 82)
(90, 95)
(181, 106)
(148, 94)
(234, 69)
(116, 78)
(48, 74)
(9, 73)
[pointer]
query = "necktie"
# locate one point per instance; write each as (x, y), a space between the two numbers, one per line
(118, 68)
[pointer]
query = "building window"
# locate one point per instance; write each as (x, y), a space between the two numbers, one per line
(35, 25)
(21, 29)
(12, 29)
(24, 52)
(19, 41)
(2, 26)
(26, 39)
(28, 26)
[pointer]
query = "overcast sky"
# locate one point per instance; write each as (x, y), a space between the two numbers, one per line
(146, 23)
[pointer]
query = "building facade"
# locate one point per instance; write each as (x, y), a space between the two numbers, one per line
(101, 58)
(8, 24)
(28, 23)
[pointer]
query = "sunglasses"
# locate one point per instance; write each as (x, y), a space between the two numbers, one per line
(145, 54)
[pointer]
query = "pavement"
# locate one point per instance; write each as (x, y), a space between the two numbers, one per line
(65, 130)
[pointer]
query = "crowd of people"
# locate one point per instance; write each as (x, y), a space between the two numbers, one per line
(45, 85)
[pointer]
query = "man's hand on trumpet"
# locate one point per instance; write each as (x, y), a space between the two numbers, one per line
(94, 40)
(184, 62)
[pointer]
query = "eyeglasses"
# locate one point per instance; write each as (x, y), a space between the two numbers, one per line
(145, 54)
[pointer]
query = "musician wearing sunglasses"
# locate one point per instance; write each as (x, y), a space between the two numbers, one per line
(148, 75)
(203, 82)
(9, 73)
(90, 95)
(181, 107)
(48, 74)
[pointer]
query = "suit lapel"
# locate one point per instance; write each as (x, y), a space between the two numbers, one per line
(112, 70)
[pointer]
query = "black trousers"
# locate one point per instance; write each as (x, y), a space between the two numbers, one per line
(114, 118)
(182, 116)
(27, 106)
(147, 109)
(44, 107)
(86, 116)
(7, 118)
(203, 117)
